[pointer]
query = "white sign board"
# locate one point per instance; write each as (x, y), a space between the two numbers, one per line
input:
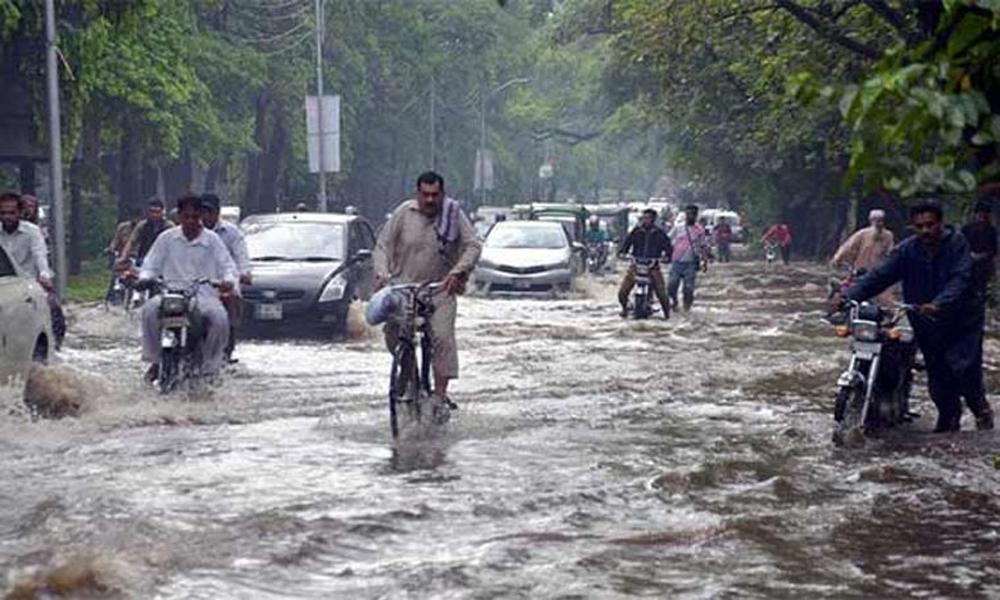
(331, 133)
(484, 170)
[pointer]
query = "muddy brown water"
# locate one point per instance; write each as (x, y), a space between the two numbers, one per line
(591, 458)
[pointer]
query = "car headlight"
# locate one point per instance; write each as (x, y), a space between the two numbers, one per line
(486, 264)
(559, 265)
(866, 331)
(334, 290)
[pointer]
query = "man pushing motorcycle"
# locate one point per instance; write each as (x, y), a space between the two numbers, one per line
(185, 255)
(935, 268)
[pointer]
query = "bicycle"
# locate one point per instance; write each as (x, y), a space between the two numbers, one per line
(410, 377)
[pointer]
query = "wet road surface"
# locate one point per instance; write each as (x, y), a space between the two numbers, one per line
(591, 457)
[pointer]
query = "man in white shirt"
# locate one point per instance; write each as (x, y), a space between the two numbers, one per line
(24, 243)
(232, 237)
(183, 255)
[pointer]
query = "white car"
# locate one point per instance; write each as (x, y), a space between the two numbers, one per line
(25, 327)
(526, 257)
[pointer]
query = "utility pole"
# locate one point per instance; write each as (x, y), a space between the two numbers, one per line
(483, 98)
(320, 25)
(55, 150)
(433, 130)
(482, 146)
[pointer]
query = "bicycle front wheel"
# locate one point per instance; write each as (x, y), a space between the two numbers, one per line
(403, 384)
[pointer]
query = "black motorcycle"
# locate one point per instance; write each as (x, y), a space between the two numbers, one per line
(181, 335)
(597, 257)
(873, 393)
(642, 293)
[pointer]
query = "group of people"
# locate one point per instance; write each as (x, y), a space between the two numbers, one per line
(685, 246)
(945, 275)
(201, 246)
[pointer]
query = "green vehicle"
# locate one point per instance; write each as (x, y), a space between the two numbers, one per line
(615, 219)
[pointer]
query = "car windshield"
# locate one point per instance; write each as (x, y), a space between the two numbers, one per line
(526, 237)
(296, 241)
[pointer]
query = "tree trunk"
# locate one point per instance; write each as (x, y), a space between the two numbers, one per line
(130, 188)
(273, 163)
(251, 198)
(76, 177)
(26, 173)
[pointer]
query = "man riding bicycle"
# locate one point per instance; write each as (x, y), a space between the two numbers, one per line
(429, 239)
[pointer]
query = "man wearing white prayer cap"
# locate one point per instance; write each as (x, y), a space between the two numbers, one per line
(868, 246)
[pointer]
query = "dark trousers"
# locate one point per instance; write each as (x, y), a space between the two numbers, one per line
(786, 253)
(725, 252)
(948, 387)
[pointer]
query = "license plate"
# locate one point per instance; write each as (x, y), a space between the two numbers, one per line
(522, 284)
(268, 312)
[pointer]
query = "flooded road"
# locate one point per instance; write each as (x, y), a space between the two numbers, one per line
(591, 457)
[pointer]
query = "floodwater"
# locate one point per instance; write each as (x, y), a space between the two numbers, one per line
(592, 457)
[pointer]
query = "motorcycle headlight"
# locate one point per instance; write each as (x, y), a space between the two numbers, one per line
(334, 290)
(866, 331)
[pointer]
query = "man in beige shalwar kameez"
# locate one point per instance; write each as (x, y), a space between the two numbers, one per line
(866, 248)
(430, 239)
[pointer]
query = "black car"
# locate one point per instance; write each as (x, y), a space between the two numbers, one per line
(307, 268)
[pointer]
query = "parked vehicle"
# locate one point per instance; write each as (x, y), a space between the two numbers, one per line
(25, 327)
(526, 257)
(642, 293)
(307, 269)
(873, 392)
(770, 253)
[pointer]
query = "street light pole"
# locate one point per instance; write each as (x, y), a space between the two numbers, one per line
(482, 147)
(320, 23)
(55, 149)
(483, 97)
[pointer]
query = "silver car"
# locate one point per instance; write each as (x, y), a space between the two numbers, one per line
(526, 257)
(25, 328)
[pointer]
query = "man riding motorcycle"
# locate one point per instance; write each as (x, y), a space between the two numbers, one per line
(184, 255)
(646, 241)
(597, 241)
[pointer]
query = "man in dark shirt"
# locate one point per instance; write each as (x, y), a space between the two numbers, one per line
(935, 267)
(146, 231)
(982, 238)
(646, 241)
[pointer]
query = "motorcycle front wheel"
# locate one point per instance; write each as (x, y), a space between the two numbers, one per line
(848, 406)
(169, 367)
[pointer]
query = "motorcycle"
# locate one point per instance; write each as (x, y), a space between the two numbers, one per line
(770, 253)
(597, 257)
(642, 293)
(180, 335)
(873, 393)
